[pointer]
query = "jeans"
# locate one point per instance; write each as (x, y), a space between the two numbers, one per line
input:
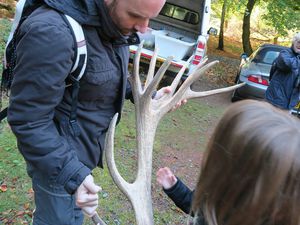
(54, 206)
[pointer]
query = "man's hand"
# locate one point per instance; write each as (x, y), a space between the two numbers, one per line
(166, 90)
(87, 197)
(166, 178)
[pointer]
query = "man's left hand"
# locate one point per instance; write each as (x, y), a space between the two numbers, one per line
(166, 90)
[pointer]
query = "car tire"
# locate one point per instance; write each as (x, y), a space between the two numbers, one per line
(235, 96)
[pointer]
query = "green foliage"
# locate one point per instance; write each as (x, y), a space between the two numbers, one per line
(233, 7)
(283, 15)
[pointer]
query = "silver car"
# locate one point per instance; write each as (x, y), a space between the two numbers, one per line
(255, 71)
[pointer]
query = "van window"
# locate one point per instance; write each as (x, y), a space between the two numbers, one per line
(180, 13)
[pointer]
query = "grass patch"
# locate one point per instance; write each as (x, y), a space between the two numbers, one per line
(5, 25)
(16, 194)
(189, 122)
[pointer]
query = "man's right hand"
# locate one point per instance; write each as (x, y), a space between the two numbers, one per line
(87, 197)
(166, 178)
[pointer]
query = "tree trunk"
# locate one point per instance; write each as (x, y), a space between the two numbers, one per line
(246, 27)
(221, 35)
(6, 6)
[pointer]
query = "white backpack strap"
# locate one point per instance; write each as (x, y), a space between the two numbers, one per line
(81, 57)
(16, 21)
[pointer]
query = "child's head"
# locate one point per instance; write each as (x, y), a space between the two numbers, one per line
(251, 172)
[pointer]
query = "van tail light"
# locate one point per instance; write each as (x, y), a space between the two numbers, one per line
(258, 79)
(200, 50)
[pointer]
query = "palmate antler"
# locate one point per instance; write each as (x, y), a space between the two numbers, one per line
(148, 113)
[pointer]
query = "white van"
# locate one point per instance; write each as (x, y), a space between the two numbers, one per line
(180, 30)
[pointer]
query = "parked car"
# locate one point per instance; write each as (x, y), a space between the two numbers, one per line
(255, 71)
(180, 30)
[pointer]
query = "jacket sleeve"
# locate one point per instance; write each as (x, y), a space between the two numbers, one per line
(181, 195)
(44, 58)
(287, 61)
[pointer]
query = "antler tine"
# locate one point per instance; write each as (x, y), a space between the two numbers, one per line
(191, 78)
(137, 88)
(151, 68)
(194, 94)
(177, 79)
(198, 71)
(180, 94)
(158, 76)
(110, 159)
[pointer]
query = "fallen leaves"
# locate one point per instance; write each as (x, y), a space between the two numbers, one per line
(3, 187)
(12, 216)
(21, 214)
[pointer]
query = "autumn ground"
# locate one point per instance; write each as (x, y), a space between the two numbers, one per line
(180, 141)
(186, 159)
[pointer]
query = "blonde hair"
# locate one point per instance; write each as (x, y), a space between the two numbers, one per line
(251, 171)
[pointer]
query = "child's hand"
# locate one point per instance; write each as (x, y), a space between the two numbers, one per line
(166, 178)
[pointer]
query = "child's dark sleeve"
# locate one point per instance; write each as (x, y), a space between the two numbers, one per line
(181, 195)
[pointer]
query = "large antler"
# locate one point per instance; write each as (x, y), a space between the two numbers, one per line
(148, 112)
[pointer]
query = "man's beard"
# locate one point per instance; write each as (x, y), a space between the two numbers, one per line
(112, 9)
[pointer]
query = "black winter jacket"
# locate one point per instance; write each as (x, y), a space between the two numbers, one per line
(182, 196)
(39, 105)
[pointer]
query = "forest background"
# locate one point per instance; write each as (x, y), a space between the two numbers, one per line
(243, 20)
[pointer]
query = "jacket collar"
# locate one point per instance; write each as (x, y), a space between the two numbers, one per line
(94, 13)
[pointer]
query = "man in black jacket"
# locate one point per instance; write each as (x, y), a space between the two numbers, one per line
(60, 161)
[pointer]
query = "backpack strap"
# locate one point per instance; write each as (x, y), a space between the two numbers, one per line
(17, 19)
(77, 70)
(3, 114)
(81, 58)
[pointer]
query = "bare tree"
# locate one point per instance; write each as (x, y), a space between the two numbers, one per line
(221, 35)
(246, 27)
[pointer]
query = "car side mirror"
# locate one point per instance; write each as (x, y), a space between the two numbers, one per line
(212, 31)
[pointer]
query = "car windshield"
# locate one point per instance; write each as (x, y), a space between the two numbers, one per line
(180, 13)
(265, 55)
